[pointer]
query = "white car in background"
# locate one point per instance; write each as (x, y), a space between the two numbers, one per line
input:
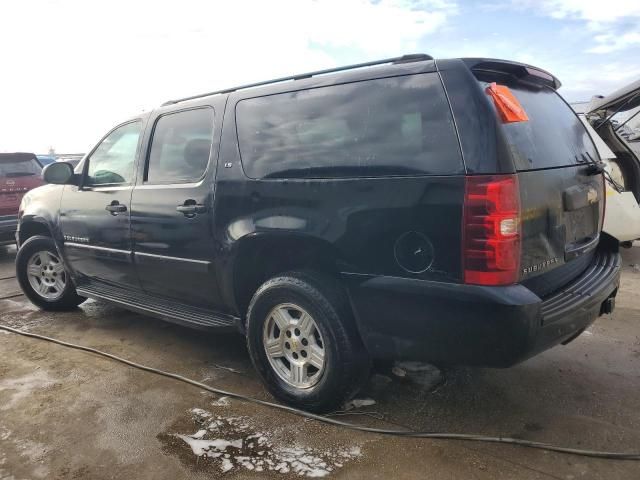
(614, 124)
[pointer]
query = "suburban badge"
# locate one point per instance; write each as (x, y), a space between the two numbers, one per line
(540, 266)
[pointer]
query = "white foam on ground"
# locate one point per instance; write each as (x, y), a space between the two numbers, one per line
(209, 448)
(221, 402)
(24, 386)
(200, 412)
(23, 315)
(255, 451)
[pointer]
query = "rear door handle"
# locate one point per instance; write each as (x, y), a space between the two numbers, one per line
(190, 208)
(115, 208)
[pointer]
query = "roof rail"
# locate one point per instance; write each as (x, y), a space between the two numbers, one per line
(414, 57)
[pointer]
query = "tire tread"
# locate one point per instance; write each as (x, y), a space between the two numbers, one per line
(325, 293)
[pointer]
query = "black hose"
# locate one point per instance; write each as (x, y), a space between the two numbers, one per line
(331, 421)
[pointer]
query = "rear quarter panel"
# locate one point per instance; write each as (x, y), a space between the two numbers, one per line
(359, 219)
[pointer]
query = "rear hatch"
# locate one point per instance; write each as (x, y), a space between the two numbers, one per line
(616, 120)
(19, 173)
(561, 187)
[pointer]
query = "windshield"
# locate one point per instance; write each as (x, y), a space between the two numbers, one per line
(20, 168)
(552, 137)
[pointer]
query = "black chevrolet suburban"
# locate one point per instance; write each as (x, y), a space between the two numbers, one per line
(449, 211)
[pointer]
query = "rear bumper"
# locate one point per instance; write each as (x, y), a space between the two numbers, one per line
(474, 325)
(8, 227)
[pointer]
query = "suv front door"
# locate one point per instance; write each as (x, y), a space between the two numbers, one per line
(94, 217)
(172, 208)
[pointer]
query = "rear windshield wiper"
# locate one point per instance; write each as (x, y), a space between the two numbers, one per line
(596, 168)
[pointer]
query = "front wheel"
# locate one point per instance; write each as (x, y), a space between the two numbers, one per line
(303, 342)
(43, 277)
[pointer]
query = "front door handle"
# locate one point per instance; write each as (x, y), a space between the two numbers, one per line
(189, 208)
(115, 208)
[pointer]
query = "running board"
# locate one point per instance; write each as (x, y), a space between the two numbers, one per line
(160, 307)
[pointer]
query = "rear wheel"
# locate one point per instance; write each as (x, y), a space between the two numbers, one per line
(43, 277)
(303, 342)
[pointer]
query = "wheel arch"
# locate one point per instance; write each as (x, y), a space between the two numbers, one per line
(32, 226)
(259, 257)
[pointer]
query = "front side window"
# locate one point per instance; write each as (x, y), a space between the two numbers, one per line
(392, 126)
(180, 147)
(113, 160)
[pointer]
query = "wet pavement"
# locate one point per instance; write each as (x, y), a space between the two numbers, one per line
(68, 414)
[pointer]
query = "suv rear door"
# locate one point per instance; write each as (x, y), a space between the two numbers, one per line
(561, 191)
(172, 205)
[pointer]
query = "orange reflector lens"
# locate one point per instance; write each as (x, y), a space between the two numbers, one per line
(507, 104)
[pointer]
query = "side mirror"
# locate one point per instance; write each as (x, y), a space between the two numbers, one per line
(60, 173)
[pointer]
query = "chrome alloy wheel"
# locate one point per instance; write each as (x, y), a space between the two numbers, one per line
(294, 345)
(46, 275)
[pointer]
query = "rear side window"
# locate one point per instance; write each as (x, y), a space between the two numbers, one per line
(552, 137)
(180, 146)
(12, 168)
(393, 126)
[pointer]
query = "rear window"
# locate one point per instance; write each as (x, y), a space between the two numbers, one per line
(552, 137)
(19, 167)
(393, 126)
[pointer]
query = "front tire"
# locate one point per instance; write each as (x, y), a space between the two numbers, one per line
(43, 276)
(303, 342)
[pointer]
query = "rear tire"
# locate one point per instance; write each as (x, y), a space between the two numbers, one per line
(43, 277)
(316, 360)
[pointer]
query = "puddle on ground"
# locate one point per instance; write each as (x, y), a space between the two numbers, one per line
(226, 443)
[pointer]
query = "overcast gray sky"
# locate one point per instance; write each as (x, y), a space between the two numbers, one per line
(72, 69)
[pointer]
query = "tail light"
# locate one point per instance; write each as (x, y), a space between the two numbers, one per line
(491, 230)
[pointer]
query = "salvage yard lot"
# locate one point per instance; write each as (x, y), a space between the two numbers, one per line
(69, 414)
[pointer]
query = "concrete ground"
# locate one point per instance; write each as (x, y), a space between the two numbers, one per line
(68, 414)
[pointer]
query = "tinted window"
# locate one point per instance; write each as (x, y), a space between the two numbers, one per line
(113, 160)
(554, 136)
(19, 168)
(180, 147)
(393, 126)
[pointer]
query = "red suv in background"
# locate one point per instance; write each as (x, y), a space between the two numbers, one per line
(19, 173)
